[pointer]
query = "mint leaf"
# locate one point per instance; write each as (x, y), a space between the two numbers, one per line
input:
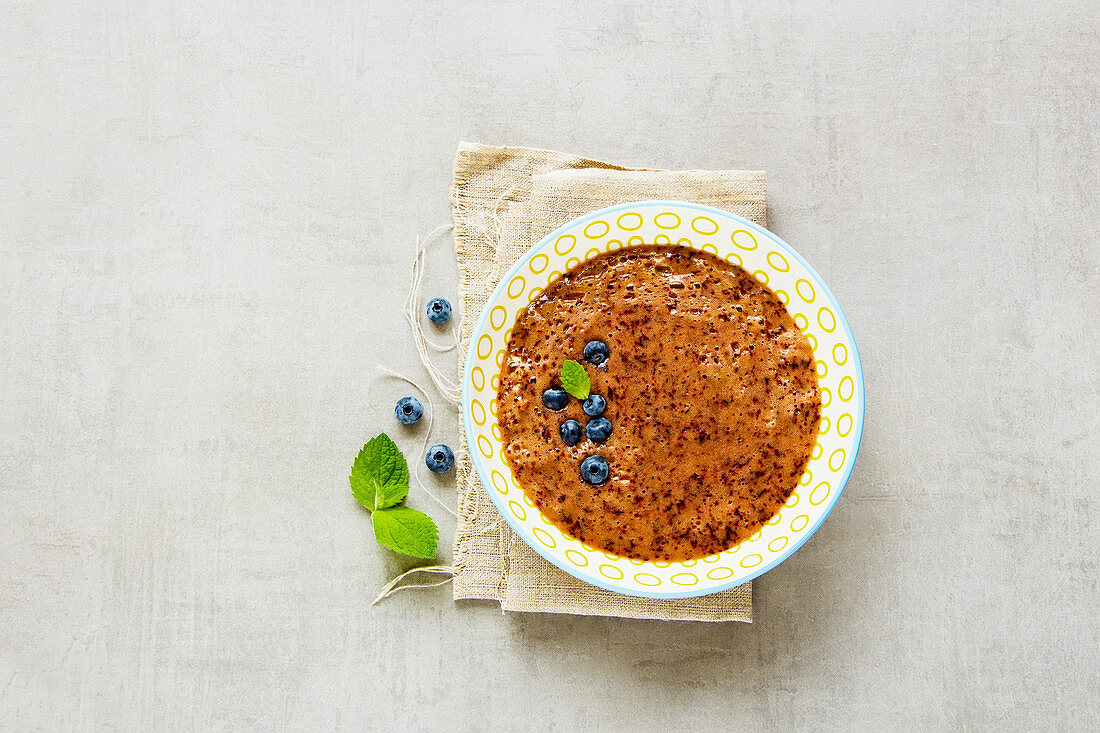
(406, 531)
(379, 476)
(574, 379)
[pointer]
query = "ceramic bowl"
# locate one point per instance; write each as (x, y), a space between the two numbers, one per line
(773, 263)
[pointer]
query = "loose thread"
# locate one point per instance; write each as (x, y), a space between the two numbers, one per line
(393, 587)
(498, 224)
(493, 234)
(427, 436)
(447, 387)
(490, 528)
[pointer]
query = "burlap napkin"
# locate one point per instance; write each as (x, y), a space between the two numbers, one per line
(505, 199)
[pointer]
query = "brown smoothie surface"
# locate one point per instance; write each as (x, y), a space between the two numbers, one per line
(711, 393)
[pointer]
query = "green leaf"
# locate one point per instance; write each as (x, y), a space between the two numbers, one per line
(406, 531)
(574, 379)
(379, 476)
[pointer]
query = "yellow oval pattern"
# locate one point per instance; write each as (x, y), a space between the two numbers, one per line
(667, 220)
(778, 544)
(799, 523)
(477, 378)
(544, 537)
(820, 493)
(720, 573)
(517, 286)
(612, 572)
(685, 579)
(751, 561)
(761, 276)
(846, 386)
(837, 457)
(517, 510)
(497, 316)
(842, 358)
(778, 261)
(577, 558)
(499, 482)
(484, 346)
(597, 229)
(826, 320)
(651, 581)
(538, 263)
(704, 225)
(844, 425)
(484, 446)
(744, 240)
(477, 412)
(823, 426)
(805, 290)
(629, 221)
(565, 244)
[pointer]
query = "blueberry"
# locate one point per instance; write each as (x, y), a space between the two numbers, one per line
(596, 352)
(555, 399)
(594, 470)
(408, 410)
(439, 310)
(440, 458)
(594, 405)
(570, 432)
(598, 429)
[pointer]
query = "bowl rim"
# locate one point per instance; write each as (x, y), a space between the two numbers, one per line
(755, 228)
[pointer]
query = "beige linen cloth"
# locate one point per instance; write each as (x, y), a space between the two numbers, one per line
(504, 200)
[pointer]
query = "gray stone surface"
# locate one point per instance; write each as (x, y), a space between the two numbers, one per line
(206, 221)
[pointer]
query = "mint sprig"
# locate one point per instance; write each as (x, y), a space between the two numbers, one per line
(407, 531)
(379, 481)
(574, 379)
(380, 476)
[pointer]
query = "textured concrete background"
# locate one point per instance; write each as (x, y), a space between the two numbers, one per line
(206, 222)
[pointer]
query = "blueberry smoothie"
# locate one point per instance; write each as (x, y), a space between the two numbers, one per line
(706, 403)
